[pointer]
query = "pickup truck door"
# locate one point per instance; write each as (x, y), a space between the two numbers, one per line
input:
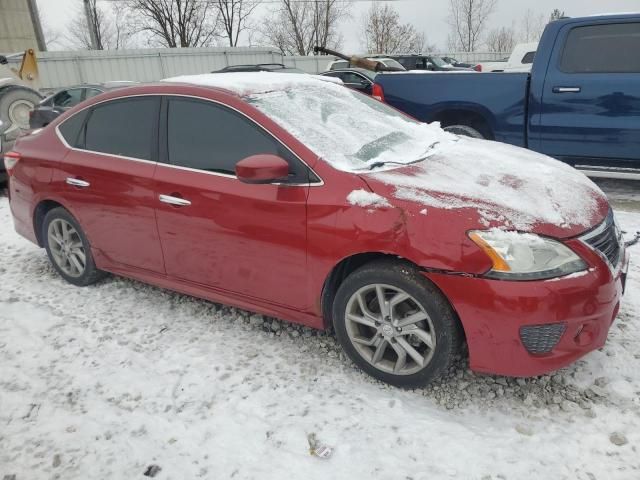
(591, 98)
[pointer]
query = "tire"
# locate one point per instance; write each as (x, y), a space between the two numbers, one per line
(440, 327)
(66, 259)
(15, 104)
(464, 130)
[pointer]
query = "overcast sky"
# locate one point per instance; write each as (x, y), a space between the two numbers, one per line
(428, 16)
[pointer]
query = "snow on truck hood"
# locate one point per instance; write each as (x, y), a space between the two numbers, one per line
(509, 187)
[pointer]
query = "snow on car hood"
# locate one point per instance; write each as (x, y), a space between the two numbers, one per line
(509, 187)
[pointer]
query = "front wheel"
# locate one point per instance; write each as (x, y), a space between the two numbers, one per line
(395, 325)
(68, 248)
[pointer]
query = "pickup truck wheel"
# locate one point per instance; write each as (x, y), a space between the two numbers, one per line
(395, 325)
(464, 130)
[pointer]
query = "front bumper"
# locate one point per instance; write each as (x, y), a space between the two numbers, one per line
(493, 314)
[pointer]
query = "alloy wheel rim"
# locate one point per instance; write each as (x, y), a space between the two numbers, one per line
(390, 329)
(67, 248)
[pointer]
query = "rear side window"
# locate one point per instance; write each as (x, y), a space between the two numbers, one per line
(528, 58)
(210, 137)
(70, 128)
(602, 49)
(123, 127)
(68, 98)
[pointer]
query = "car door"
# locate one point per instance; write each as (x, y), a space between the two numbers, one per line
(591, 95)
(106, 179)
(217, 231)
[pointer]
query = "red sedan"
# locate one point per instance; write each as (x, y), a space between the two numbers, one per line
(298, 198)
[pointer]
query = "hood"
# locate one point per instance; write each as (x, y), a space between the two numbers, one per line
(497, 186)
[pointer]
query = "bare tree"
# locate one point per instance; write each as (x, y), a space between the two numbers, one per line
(556, 15)
(382, 32)
(52, 36)
(468, 21)
(176, 23)
(501, 39)
(532, 26)
(296, 26)
(234, 16)
(109, 25)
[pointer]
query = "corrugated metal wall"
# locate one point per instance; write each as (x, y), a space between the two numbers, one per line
(61, 69)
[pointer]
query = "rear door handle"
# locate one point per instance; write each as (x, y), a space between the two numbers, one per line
(76, 182)
(567, 89)
(177, 201)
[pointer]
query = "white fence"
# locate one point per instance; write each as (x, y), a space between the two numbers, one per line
(475, 57)
(60, 69)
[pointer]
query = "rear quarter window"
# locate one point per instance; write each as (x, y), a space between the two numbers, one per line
(602, 49)
(71, 127)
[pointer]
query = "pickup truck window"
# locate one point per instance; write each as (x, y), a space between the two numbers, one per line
(528, 58)
(602, 49)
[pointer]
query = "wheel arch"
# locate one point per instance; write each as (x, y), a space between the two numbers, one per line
(351, 263)
(41, 210)
(469, 116)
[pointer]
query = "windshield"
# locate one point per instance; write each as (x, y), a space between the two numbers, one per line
(349, 130)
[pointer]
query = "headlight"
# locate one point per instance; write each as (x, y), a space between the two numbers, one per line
(525, 256)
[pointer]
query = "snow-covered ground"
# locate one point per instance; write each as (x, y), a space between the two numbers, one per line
(104, 382)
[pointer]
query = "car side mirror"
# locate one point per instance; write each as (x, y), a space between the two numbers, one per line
(264, 168)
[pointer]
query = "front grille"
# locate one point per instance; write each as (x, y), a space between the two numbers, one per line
(541, 339)
(605, 239)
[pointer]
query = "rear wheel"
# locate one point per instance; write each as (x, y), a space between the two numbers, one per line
(68, 248)
(395, 325)
(464, 130)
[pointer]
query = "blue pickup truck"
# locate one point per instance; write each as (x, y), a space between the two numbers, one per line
(580, 103)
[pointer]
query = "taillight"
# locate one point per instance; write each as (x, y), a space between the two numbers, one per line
(478, 68)
(377, 92)
(10, 161)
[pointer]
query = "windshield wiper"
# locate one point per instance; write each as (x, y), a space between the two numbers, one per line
(382, 164)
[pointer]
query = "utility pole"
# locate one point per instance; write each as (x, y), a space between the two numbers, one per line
(37, 27)
(91, 23)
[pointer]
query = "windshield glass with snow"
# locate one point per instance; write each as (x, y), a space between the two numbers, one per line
(349, 130)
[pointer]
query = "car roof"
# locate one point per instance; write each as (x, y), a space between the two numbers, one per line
(258, 67)
(368, 73)
(247, 83)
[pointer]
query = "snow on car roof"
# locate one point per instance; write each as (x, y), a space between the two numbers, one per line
(247, 83)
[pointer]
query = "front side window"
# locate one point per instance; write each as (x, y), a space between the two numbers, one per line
(68, 98)
(123, 127)
(602, 49)
(206, 136)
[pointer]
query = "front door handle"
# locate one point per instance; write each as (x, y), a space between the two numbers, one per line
(177, 201)
(567, 89)
(76, 182)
